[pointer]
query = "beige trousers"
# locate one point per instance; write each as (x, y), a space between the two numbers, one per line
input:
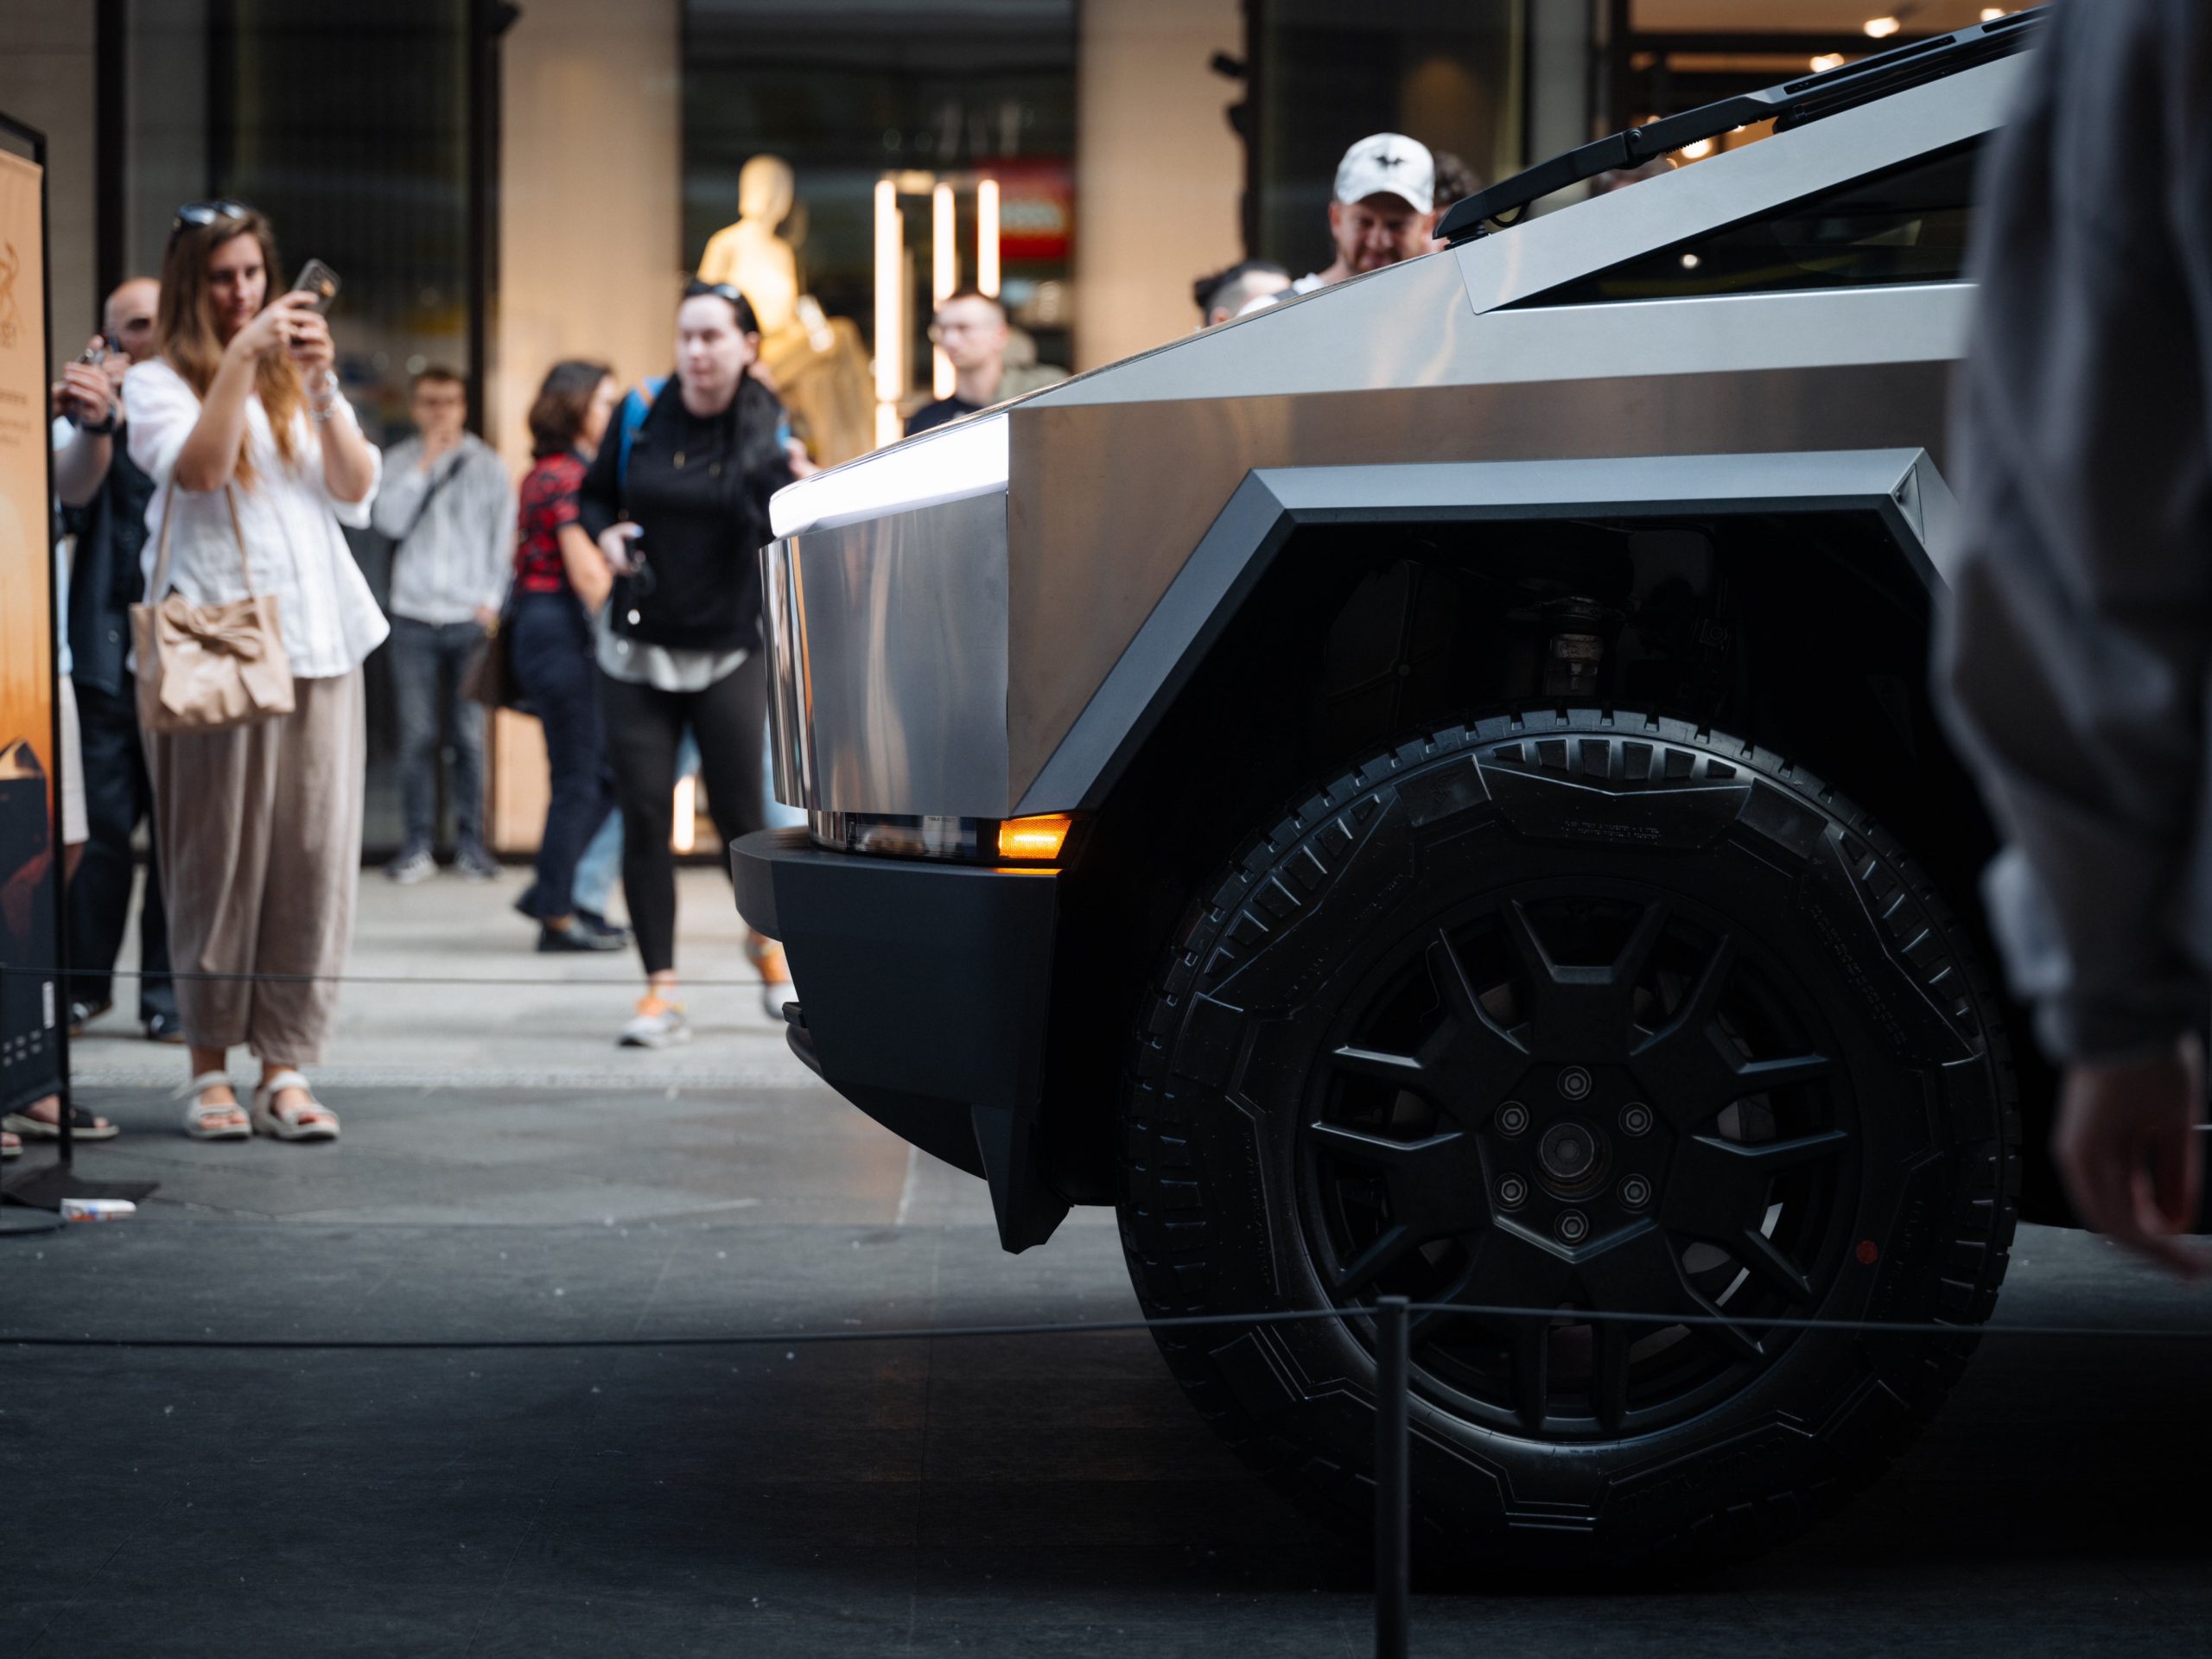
(260, 829)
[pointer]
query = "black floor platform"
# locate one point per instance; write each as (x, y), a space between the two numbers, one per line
(998, 1496)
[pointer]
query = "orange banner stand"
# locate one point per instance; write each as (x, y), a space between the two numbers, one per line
(32, 1003)
(33, 964)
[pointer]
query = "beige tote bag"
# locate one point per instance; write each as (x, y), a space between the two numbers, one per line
(203, 668)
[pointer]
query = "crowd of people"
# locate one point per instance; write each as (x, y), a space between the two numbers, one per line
(207, 456)
(203, 446)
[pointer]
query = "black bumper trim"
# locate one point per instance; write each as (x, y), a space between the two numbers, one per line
(925, 988)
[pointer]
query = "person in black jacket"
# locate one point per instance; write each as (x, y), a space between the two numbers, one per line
(106, 496)
(678, 500)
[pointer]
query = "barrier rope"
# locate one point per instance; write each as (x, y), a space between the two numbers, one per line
(1081, 1327)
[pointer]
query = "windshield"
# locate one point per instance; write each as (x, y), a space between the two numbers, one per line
(1908, 224)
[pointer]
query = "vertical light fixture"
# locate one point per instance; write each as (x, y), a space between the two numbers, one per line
(685, 833)
(890, 344)
(944, 276)
(986, 236)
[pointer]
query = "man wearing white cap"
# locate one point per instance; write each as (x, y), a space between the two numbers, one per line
(1383, 209)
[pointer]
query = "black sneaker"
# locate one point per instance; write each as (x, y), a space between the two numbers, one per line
(164, 1028)
(83, 1014)
(599, 925)
(553, 940)
(526, 904)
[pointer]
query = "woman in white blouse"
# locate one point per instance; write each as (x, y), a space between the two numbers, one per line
(260, 824)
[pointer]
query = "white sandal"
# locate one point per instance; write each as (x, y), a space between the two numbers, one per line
(309, 1121)
(205, 1119)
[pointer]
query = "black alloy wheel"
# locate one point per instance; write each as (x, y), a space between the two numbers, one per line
(1574, 1011)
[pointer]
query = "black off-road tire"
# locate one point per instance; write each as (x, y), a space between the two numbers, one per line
(1219, 1209)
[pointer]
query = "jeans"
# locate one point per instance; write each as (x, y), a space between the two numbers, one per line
(602, 859)
(428, 662)
(550, 645)
(118, 797)
(644, 728)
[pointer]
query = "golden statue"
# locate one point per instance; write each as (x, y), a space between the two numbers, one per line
(816, 363)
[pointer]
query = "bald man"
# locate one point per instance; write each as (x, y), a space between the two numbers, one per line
(105, 496)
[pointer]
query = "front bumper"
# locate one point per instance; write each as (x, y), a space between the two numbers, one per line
(925, 988)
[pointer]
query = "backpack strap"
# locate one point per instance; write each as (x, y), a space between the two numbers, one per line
(636, 405)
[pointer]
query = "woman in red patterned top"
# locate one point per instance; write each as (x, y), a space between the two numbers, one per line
(561, 580)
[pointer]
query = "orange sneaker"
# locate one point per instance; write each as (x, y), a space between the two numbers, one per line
(657, 1023)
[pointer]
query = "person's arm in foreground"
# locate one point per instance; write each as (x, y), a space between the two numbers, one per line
(2073, 655)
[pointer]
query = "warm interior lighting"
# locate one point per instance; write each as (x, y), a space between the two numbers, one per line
(1699, 150)
(944, 249)
(1826, 62)
(686, 832)
(1991, 14)
(986, 236)
(944, 276)
(887, 240)
(1039, 837)
(1881, 28)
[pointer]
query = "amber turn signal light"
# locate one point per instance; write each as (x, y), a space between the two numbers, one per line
(1031, 838)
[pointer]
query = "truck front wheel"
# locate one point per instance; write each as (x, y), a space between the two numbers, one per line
(1573, 1010)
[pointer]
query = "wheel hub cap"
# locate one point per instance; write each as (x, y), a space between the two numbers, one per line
(1611, 1136)
(1571, 1153)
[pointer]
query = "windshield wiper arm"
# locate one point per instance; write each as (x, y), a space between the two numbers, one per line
(1793, 104)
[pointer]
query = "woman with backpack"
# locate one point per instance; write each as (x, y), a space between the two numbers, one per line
(678, 500)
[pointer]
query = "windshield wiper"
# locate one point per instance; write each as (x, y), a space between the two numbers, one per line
(1793, 104)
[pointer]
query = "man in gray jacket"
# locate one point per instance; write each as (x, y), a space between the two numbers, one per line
(2076, 659)
(448, 506)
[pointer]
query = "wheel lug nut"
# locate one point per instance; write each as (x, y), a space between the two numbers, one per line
(1636, 1192)
(1512, 1118)
(1512, 1192)
(1572, 1226)
(1575, 1083)
(1636, 1118)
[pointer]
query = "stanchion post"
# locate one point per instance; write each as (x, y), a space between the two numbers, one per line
(1393, 1480)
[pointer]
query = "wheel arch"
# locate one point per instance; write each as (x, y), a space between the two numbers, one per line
(1233, 695)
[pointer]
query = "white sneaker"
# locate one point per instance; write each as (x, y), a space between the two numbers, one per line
(656, 1025)
(412, 867)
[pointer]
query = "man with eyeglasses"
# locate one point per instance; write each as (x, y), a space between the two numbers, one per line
(970, 329)
(448, 506)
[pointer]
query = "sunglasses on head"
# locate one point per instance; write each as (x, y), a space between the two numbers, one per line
(728, 291)
(203, 213)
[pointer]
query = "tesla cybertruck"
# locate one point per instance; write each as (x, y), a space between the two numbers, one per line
(1430, 789)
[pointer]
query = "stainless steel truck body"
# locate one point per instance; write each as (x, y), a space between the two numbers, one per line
(1430, 788)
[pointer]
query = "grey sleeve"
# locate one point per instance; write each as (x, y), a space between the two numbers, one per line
(499, 528)
(400, 491)
(2072, 656)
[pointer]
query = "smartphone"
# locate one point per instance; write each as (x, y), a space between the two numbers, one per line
(94, 354)
(319, 280)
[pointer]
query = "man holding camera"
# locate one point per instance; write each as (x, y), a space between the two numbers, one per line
(103, 497)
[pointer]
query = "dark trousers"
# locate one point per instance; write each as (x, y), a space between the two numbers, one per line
(428, 662)
(644, 726)
(550, 644)
(117, 797)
